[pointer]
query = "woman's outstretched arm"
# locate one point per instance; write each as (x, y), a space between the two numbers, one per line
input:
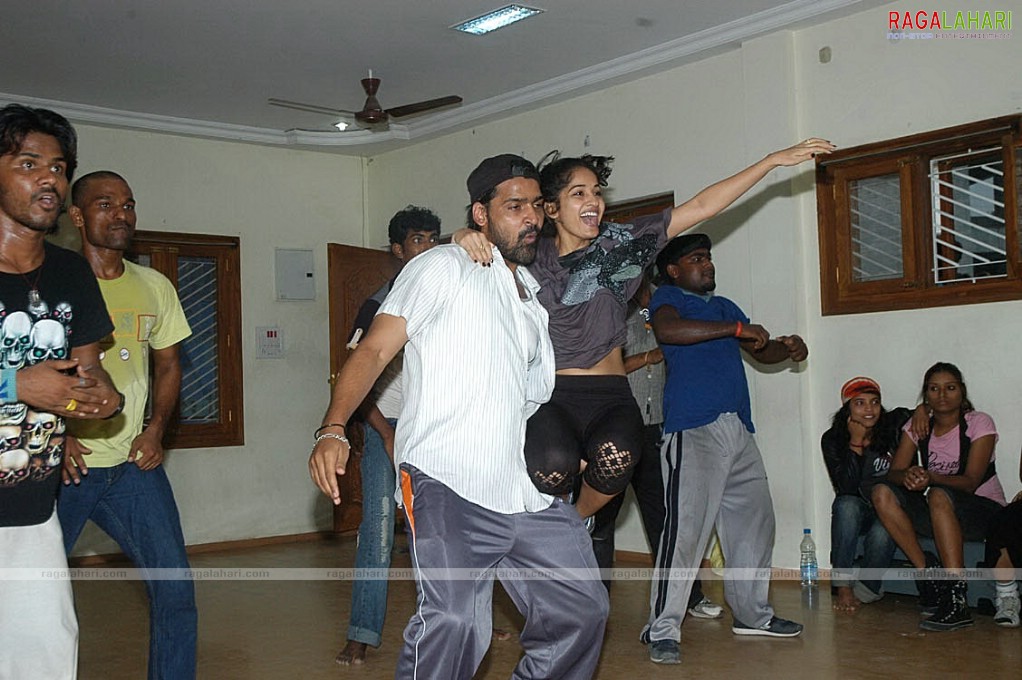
(716, 197)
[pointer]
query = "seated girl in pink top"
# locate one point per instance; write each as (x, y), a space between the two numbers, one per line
(943, 485)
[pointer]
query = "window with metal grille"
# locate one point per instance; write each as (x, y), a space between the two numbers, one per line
(205, 271)
(200, 378)
(969, 237)
(922, 221)
(875, 210)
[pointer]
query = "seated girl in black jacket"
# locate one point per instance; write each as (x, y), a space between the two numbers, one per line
(857, 450)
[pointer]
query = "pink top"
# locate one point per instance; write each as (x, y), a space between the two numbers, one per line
(944, 453)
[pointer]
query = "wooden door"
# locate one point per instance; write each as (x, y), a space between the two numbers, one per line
(353, 275)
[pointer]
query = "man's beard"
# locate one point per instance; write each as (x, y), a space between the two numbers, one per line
(47, 224)
(519, 252)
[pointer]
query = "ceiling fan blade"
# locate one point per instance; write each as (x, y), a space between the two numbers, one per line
(421, 107)
(311, 108)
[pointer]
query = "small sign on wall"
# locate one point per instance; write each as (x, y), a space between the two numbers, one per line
(294, 274)
(269, 342)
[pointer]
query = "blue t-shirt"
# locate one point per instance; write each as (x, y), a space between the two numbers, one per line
(706, 379)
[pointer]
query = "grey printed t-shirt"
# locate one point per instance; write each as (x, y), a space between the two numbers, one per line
(586, 292)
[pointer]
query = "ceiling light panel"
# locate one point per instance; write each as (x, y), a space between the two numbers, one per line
(498, 18)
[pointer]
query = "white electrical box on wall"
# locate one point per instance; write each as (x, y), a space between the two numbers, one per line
(295, 274)
(269, 342)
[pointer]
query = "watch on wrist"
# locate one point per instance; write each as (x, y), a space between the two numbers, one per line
(120, 407)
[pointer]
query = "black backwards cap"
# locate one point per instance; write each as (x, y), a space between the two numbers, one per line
(679, 247)
(495, 170)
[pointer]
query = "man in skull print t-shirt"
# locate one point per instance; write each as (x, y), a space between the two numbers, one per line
(69, 312)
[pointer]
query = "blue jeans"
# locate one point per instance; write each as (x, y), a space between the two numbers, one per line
(137, 510)
(851, 517)
(375, 541)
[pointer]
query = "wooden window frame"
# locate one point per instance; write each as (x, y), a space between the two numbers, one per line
(910, 158)
(625, 211)
(163, 249)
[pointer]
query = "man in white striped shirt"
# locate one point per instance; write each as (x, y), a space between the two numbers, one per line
(478, 363)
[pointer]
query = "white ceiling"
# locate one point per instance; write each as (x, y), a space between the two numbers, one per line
(207, 67)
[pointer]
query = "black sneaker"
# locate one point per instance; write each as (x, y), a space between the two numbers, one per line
(665, 652)
(953, 612)
(929, 587)
(931, 596)
(775, 627)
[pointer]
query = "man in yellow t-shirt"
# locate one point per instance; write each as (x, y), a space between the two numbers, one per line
(123, 487)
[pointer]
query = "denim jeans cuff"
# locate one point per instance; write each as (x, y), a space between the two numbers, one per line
(364, 635)
(866, 594)
(842, 579)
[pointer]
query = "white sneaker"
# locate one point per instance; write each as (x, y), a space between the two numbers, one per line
(706, 609)
(1007, 610)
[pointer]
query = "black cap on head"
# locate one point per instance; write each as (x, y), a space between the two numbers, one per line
(679, 247)
(495, 170)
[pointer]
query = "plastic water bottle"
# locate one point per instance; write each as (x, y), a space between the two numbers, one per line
(809, 567)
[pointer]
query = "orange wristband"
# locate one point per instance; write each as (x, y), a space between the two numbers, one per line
(738, 329)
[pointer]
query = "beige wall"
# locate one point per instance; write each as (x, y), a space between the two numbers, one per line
(271, 198)
(685, 128)
(683, 136)
(677, 130)
(871, 90)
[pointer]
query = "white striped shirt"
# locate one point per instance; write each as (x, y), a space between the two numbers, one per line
(478, 363)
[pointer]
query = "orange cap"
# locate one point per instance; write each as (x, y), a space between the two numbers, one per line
(857, 386)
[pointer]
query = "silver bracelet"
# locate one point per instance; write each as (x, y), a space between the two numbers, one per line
(332, 435)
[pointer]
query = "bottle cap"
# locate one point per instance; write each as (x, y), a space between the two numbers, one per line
(806, 531)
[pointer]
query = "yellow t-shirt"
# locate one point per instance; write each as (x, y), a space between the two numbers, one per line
(146, 312)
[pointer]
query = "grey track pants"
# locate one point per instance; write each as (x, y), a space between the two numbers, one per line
(713, 475)
(458, 548)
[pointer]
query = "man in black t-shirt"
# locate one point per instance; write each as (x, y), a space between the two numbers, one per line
(52, 318)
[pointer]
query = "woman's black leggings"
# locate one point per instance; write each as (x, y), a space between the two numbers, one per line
(1005, 532)
(589, 417)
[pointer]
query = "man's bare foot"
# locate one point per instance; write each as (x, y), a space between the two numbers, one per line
(501, 635)
(846, 600)
(353, 654)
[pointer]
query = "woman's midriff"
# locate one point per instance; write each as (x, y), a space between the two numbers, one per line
(612, 364)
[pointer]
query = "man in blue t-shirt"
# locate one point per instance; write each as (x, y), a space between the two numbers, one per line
(713, 471)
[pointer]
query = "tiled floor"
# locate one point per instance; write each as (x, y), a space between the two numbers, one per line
(251, 629)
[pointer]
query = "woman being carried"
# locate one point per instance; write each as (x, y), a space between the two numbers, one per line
(588, 270)
(951, 494)
(857, 451)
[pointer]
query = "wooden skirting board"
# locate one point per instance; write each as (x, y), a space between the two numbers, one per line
(620, 556)
(220, 546)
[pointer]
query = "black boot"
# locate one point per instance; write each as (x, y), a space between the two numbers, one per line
(929, 586)
(953, 612)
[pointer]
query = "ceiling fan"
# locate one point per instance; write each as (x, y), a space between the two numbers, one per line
(371, 113)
